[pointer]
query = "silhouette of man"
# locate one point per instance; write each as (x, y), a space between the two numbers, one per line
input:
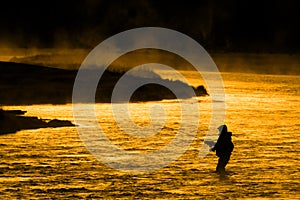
(223, 148)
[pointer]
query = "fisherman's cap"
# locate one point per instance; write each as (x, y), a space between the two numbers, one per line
(222, 126)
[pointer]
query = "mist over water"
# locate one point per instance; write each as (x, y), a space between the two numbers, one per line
(262, 112)
(68, 58)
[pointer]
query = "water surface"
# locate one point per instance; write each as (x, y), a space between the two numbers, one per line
(262, 111)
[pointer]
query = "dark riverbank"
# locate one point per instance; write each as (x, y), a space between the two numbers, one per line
(31, 84)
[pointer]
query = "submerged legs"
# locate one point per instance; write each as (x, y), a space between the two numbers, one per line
(222, 162)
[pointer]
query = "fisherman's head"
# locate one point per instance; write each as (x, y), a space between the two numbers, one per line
(222, 128)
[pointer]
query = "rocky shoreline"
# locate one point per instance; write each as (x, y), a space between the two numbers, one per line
(12, 121)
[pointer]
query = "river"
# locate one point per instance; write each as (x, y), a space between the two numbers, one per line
(262, 112)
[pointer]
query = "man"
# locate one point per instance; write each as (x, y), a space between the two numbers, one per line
(223, 148)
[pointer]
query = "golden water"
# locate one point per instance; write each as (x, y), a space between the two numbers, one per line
(262, 112)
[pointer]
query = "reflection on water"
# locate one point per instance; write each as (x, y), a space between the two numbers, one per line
(262, 112)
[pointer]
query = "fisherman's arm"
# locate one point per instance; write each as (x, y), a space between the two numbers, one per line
(215, 147)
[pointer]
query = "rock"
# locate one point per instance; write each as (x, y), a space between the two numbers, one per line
(59, 123)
